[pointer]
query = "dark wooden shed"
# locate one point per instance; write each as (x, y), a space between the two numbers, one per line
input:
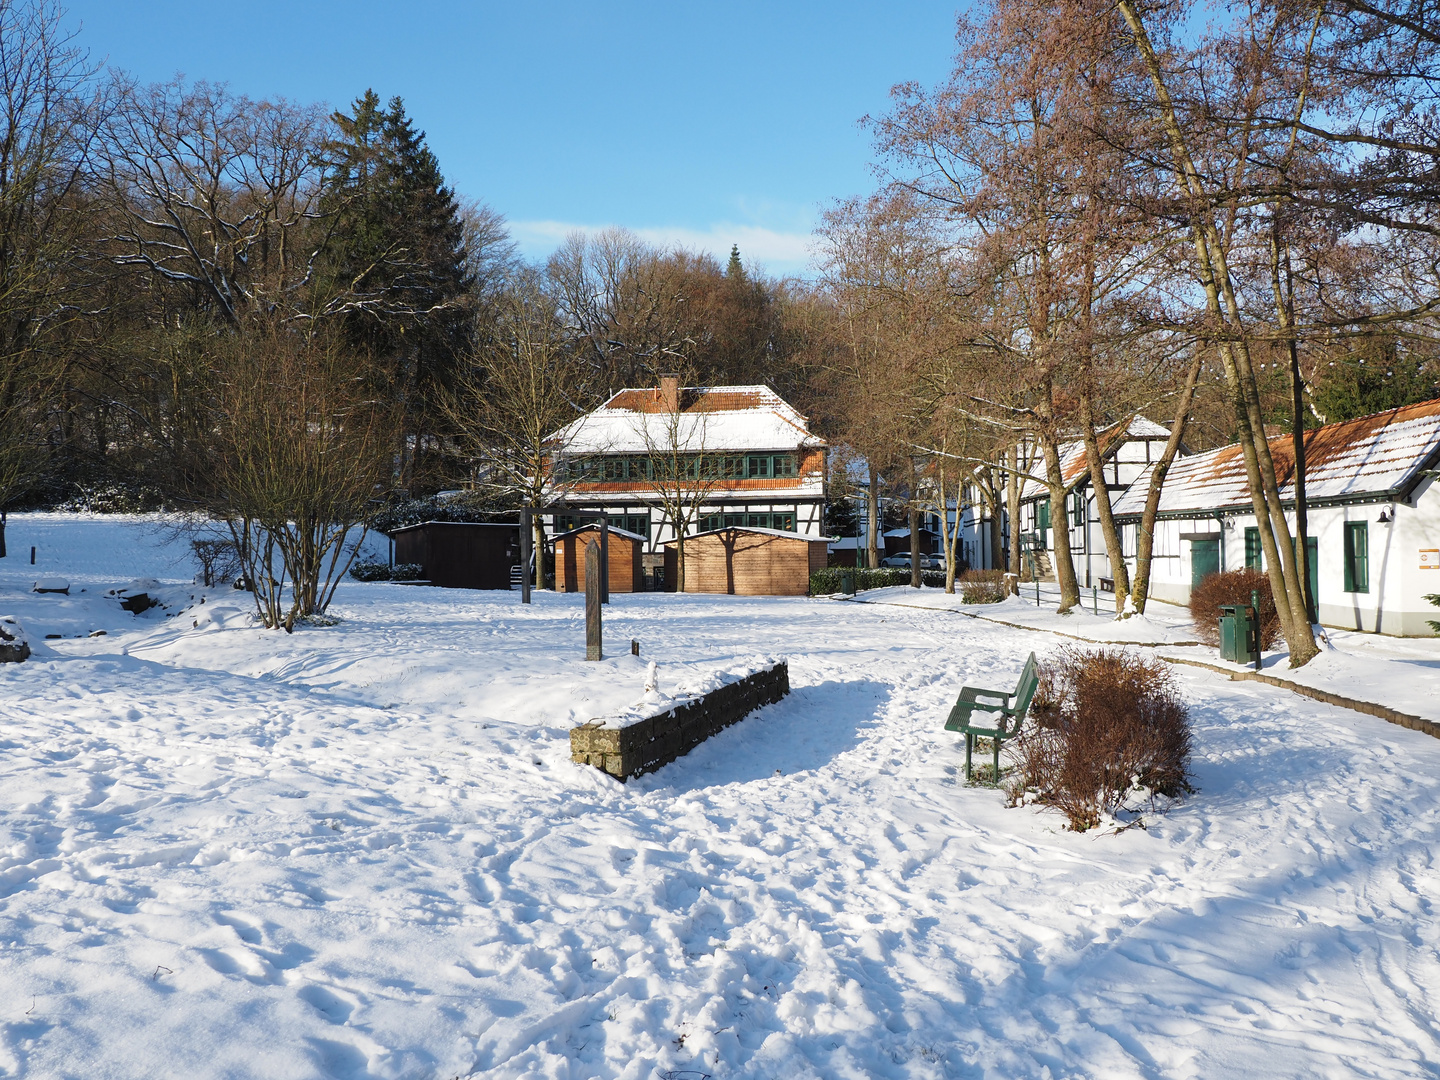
(461, 555)
(747, 562)
(625, 550)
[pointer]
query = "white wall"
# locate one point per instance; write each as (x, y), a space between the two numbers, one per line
(1394, 602)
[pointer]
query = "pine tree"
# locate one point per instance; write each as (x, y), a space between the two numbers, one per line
(734, 269)
(396, 261)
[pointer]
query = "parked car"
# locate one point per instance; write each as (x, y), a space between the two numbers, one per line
(901, 561)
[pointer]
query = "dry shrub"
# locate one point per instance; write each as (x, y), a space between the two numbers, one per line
(1233, 587)
(1107, 726)
(982, 586)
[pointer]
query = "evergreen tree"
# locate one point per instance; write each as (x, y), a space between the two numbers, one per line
(1374, 376)
(734, 270)
(396, 262)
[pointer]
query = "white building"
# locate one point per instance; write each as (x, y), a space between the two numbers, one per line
(1373, 519)
(1126, 458)
(755, 453)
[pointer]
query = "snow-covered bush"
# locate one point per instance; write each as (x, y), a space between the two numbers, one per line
(982, 586)
(1107, 729)
(1233, 587)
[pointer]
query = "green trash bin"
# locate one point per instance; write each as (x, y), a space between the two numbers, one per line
(847, 582)
(1239, 634)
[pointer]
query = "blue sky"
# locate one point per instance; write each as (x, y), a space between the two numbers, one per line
(699, 124)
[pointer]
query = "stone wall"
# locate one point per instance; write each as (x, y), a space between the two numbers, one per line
(641, 746)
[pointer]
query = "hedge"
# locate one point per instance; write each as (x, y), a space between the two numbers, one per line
(827, 581)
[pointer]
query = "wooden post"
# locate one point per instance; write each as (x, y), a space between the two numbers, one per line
(525, 555)
(593, 558)
(604, 559)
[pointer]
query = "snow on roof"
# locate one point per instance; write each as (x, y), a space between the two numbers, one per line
(711, 418)
(1073, 461)
(594, 527)
(1371, 456)
(755, 529)
(467, 524)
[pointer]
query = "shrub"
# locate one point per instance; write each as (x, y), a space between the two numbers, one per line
(983, 586)
(827, 581)
(218, 559)
(1233, 587)
(1107, 726)
(379, 571)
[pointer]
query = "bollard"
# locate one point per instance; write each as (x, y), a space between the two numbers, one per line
(1255, 610)
(1037, 590)
(1095, 599)
(634, 647)
(32, 556)
(593, 650)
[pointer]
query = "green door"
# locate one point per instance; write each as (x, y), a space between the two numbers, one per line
(1204, 560)
(1042, 521)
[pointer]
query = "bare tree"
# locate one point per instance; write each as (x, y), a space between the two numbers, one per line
(681, 469)
(524, 385)
(48, 109)
(215, 194)
(296, 464)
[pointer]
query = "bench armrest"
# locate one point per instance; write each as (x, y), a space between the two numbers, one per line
(971, 693)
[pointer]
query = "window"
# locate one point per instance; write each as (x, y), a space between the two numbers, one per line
(765, 466)
(1357, 556)
(1077, 509)
(635, 523)
(782, 521)
(1253, 558)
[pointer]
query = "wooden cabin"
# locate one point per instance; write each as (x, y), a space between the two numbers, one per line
(461, 555)
(747, 562)
(625, 549)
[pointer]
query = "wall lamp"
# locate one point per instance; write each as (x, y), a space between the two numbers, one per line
(1385, 517)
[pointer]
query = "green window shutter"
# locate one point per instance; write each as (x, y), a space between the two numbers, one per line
(1357, 556)
(1253, 560)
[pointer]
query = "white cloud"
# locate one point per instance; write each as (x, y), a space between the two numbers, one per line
(778, 252)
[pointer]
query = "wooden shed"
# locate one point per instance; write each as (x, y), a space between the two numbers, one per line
(461, 555)
(625, 550)
(747, 562)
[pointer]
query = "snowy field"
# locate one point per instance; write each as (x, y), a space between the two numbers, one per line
(363, 851)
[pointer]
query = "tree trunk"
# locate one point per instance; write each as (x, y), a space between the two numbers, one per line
(1012, 508)
(1214, 275)
(1060, 523)
(1145, 531)
(872, 510)
(1113, 549)
(914, 543)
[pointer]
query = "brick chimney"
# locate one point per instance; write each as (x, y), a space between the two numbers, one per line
(670, 392)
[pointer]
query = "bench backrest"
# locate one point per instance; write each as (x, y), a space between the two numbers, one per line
(1026, 687)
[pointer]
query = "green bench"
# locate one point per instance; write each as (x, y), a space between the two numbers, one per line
(999, 719)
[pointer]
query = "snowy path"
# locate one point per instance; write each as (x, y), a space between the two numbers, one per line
(216, 861)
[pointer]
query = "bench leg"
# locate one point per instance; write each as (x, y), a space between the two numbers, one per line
(968, 742)
(995, 742)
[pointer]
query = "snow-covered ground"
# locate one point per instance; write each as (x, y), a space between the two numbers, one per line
(363, 851)
(1403, 673)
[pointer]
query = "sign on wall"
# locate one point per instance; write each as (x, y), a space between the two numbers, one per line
(1430, 558)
